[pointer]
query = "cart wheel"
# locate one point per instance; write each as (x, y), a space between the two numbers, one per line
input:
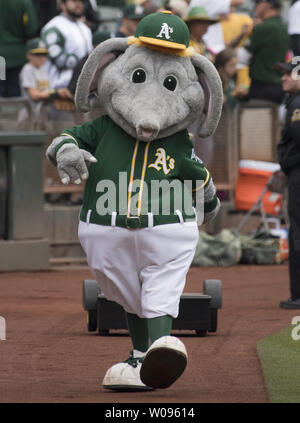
(104, 332)
(90, 292)
(201, 333)
(213, 288)
(213, 320)
(92, 320)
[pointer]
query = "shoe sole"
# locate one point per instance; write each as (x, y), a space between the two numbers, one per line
(125, 388)
(290, 306)
(162, 367)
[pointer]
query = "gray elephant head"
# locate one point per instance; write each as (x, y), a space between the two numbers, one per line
(151, 94)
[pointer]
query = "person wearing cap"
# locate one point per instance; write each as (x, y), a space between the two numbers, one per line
(34, 79)
(288, 151)
(267, 45)
(198, 22)
(132, 14)
(213, 38)
(18, 23)
(68, 40)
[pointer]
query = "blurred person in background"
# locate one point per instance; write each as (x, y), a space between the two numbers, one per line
(289, 159)
(132, 14)
(18, 23)
(34, 80)
(213, 38)
(268, 44)
(237, 28)
(198, 22)
(294, 26)
(68, 40)
(91, 14)
(98, 38)
(226, 62)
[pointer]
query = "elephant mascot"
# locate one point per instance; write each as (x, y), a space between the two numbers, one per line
(146, 190)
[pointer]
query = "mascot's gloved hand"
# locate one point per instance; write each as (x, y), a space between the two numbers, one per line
(70, 161)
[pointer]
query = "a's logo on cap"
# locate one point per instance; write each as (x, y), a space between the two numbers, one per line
(165, 31)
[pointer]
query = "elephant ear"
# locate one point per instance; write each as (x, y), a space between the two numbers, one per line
(213, 92)
(97, 61)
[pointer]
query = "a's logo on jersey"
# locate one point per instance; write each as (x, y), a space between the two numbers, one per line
(296, 116)
(165, 31)
(163, 162)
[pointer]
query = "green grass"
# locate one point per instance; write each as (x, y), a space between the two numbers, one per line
(280, 358)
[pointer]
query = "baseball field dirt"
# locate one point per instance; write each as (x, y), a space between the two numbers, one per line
(48, 355)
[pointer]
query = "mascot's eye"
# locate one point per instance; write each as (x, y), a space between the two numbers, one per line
(170, 83)
(139, 76)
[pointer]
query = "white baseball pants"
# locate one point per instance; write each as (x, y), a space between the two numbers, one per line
(143, 270)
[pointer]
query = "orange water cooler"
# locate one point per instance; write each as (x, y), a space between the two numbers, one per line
(252, 180)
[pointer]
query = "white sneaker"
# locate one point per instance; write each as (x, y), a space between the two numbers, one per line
(126, 376)
(164, 362)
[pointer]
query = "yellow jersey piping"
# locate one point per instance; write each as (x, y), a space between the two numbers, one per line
(143, 177)
(131, 177)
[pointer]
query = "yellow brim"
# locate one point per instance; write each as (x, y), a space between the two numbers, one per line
(162, 43)
(187, 52)
(38, 51)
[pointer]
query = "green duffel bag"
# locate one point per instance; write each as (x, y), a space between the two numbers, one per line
(262, 248)
(223, 249)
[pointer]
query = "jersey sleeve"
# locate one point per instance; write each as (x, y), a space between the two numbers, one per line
(194, 171)
(86, 136)
(55, 43)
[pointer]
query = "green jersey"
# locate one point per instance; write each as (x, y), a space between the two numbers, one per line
(18, 23)
(268, 45)
(160, 177)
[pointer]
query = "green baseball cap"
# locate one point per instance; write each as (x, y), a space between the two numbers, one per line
(200, 14)
(36, 46)
(163, 29)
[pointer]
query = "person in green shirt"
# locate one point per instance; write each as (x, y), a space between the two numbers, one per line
(18, 23)
(268, 44)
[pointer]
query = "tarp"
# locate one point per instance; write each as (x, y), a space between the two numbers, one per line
(229, 248)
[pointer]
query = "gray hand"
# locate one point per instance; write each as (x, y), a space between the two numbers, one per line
(71, 163)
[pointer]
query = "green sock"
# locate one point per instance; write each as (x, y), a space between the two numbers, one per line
(159, 326)
(138, 330)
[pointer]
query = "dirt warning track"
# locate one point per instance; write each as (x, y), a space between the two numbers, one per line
(48, 355)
